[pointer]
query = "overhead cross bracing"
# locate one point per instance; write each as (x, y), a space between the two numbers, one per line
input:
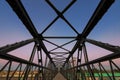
(52, 54)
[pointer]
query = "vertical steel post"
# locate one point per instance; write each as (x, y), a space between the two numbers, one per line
(73, 73)
(40, 62)
(14, 72)
(20, 71)
(87, 60)
(9, 70)
(105, 71)
(112, 69)
(79, 58)
(115, 65)
(96, 70)
(28, 67)
(101, 75)
(4, 66)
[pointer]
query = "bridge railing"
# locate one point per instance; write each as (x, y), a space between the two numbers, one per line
(106, 67)
(13, 67)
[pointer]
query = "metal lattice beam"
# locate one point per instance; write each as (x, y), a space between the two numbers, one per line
(14, 46)
(104, 45)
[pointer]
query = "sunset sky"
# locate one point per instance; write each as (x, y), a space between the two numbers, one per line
(12, 29)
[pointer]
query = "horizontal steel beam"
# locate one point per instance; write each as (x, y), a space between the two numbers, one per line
(97, 15)
(11, 47)
(102, 59)
(104, 45)
(59, 58)
(59, 53)
(19, 60)
(59, 37)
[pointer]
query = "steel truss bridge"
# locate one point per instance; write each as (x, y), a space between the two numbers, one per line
(47, 70)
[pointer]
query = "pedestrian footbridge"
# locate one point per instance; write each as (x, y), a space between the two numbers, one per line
(59, 50)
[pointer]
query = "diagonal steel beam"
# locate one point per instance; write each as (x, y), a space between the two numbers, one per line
(97, 15)
(22, 14)
(104, 45)
(55, 45)
(14, 46)
(63, 45)
(4, 66)
(60, 14)
(56, 18)
(102, 8)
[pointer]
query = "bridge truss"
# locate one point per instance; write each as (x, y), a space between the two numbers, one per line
(46, 70)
